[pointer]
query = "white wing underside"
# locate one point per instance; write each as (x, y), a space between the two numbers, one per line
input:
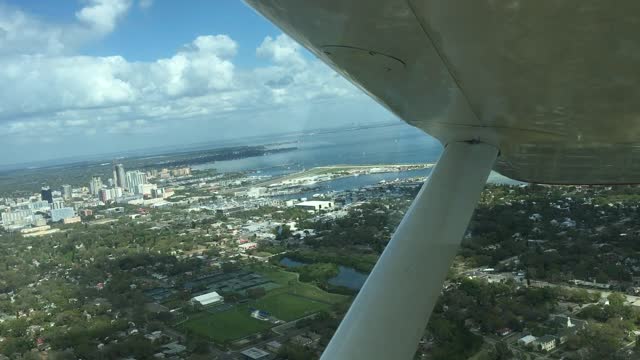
(552, 84)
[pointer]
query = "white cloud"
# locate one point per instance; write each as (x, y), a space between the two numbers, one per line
(58, 83)
(22, 33)
(74, 95)
(102, 15)
(282, 51)
(199, 80)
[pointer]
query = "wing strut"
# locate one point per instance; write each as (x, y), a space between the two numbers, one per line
(389, 315)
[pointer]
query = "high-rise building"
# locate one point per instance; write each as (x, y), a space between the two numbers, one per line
(57, 205)
(46, 194)
(104, 195)
(42, 205)
(115, 176)
(66, 192)
(120, 178)
(135, 178)
(62, 213)
(95, 185)
(110, 194)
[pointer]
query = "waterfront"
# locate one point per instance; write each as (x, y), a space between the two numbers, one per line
(384, 145)
(393, 144)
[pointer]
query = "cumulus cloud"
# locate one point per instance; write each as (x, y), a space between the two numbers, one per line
(22, 33)
(52, 84)
(292, 77)
(282, 50)
(67, 94)
(199, 80)
(102, 15)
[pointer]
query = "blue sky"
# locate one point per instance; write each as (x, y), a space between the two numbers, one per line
(146, 34)
(100, 76)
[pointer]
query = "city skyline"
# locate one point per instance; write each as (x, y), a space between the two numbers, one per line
(129, 83)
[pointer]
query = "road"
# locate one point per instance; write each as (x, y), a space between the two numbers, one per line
(631, 299)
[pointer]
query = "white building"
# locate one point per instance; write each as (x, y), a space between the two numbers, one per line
(248, 246)
(211, 298)
(110, 194)
(158, 193)
(545, 343)
(274, 346)
(256, 192)
(62, 213)
(17, 217)
(135, 178)
(40, 205)
(71, 220)
(255, 354)
(57, 205)
(95, 185)
(316, 205)
(527, 340)
(67, 192)
(146, 189)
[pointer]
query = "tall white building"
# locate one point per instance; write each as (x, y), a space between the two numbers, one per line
(95, 185)
(134, 179)
(66, 192)
(110, 194)
(57, 205)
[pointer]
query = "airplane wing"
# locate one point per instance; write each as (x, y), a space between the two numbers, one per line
(541, 91)
(554, 85)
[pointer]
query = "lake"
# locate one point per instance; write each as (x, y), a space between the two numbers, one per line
(347, 276)
(291, 263)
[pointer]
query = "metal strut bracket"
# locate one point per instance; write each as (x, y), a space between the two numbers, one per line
(389, 315)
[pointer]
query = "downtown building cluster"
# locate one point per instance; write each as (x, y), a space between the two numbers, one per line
(66, 205)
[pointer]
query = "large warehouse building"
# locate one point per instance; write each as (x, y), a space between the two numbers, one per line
(211, 298)
(315, 205)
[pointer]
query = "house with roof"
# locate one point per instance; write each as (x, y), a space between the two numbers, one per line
(545, 343)
(255, 354)
(527, 340)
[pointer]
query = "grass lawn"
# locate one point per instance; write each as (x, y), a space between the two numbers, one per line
(288, 307)
(228, 325)
(290, 284)
(278, 276)
(238, 323)
(290, 301)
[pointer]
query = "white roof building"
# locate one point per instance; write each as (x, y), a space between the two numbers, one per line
(248, 246)
(255, 353)
(527, 340)
(316, 205)
(208, 299)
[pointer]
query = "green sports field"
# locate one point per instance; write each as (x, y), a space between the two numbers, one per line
(291, 301)
(289, 307)
(228, 325)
